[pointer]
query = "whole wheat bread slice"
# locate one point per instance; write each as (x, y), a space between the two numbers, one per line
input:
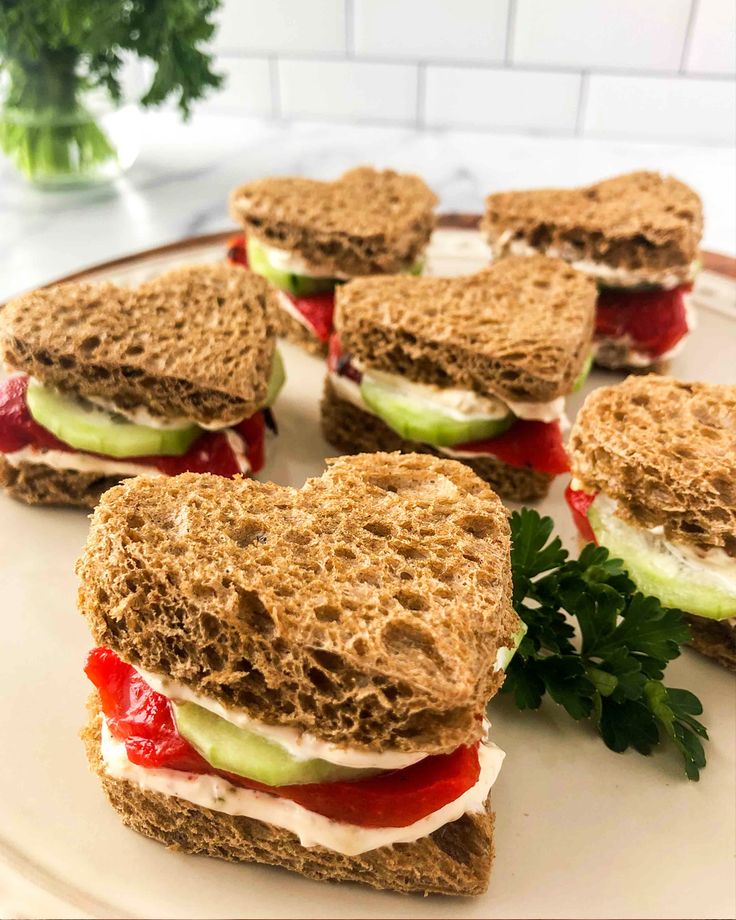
(713, 638)
(37, 484)
(454, 860)
(293, 331)
(350, 430)
(639, 220)
(195, 342)
(666, 451)
(366, 222)
(366, 607)
(521, 329)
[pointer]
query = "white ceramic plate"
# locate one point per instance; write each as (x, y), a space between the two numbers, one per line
(580, 831)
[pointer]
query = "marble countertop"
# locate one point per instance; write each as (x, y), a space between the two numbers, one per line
(179, 184)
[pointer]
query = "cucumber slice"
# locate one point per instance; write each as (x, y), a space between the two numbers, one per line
(583, 375)
(409, 413)
(505, 654)
(298, 285)
(417, 268)
(227, 747)
(657, 570)
(86, 427)
(276, 379)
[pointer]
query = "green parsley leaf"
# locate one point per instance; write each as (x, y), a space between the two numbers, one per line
(626, 642)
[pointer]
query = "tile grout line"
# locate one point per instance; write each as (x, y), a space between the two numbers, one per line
(273, 73)
(421, 94)
(478, 64)
(510, 29)
(582, 103)
(689, 33)
(349, 11)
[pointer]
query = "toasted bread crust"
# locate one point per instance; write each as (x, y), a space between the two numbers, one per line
(639, 220)
(613, 356)
(454, 860)
(196, 342)
(352, 431)
(389, 573)
(715, 639)
(366, 222)
(37, 484)
(520, 329)
(666, 451)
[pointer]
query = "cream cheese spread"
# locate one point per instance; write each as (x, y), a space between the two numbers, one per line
(461, 404)
(79, 462)
(312, 829)
(285, 261)
(300, 745)
(610, 274)
(139, 415)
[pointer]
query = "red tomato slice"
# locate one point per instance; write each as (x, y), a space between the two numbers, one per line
(654, 320)
(579, 502)
(537, 445)
(210, 453)
(143, 720)
(318, 310)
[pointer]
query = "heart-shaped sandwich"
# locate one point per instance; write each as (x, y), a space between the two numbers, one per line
(299, 677)
(109, 382)
(307, 236)
(474, 367)
(637, 235)
(654, 467)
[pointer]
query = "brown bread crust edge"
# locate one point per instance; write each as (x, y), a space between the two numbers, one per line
(37, 484)
(715, 639)
(293, 331)
(454, 860)
(352, 431)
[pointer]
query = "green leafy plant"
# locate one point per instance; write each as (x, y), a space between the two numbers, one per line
(626, 642)
(53, 52)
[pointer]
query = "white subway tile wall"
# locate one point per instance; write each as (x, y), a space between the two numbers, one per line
(652, 69)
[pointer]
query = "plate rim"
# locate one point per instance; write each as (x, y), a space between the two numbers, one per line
(718, 262)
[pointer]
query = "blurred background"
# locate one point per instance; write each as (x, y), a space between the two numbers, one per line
(475, 95)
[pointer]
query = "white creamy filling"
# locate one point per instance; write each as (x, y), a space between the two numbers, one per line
(615, 275)
(300, 745)
(79, 463)
(286, 261)
(288, 307)
(139, 415)
(312, 829)
(458, 403)
(714, 565)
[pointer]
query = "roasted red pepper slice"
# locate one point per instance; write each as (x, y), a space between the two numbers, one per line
(537, 445)
(654, 320)
(318, 310)
(142, 718)
(236, 251)
(579, 502)
(210, 453)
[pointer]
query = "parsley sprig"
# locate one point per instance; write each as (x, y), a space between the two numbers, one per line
(626, 641)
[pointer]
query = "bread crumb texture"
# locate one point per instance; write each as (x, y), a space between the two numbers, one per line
(366, 607)
(454, 860)
(638, 220)
(666, 451)
(520, 329)
(351, 431)
(196, 342)
(363, 223)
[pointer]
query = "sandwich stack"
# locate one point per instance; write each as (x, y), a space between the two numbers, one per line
(109, 382)
(299, 677)
(654, 480)
(475, 368)
(637, 235)
(307, 237)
